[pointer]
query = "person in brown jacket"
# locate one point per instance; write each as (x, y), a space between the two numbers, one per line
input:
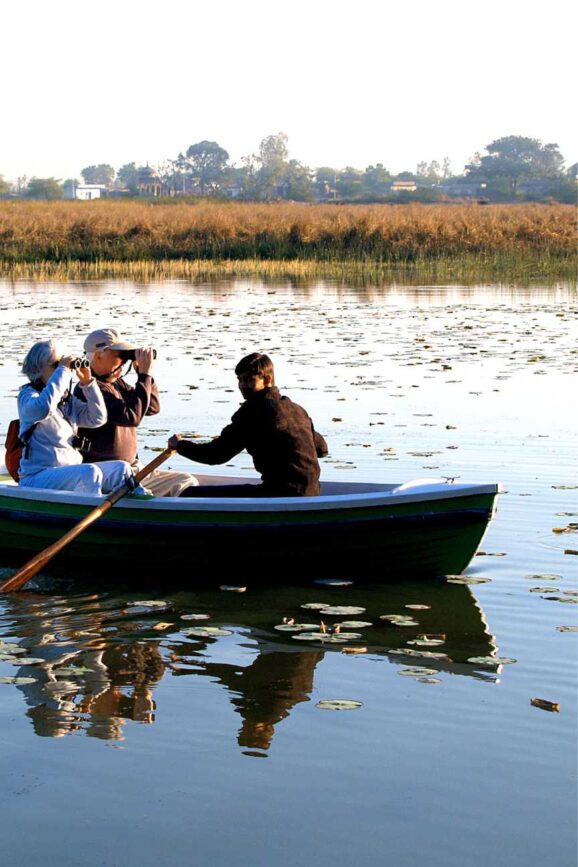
(126, 405)
(277, 433)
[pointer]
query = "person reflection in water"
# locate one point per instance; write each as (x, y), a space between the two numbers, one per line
(115, 683)
(264, 692)
(270, 688)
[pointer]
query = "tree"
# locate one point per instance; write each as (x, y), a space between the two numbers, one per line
(44, 188)
(247, 176)
(206, 162)
(515, 158)
(127, 176)
(298, 181)
(349, 183)
(100, 174)
(170, 176)
(433, 171)
(4, 186)
(273, 154)
(376, 180)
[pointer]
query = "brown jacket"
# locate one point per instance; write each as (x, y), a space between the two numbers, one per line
(126, 406)
(279, 436)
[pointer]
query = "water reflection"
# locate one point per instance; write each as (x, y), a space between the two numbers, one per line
(91, 664)
(414, 288)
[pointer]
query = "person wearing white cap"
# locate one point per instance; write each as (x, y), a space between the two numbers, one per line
(126, 405)
(49, 422)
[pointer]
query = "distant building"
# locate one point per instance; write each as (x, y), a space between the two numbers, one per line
(463, 189)
(84, 192)
(404, 187)
(149, 183)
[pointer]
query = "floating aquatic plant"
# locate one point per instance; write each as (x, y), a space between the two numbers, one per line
(491, 660)
(338, 704)
(206, 631)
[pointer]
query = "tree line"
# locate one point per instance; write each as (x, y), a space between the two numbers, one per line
(514, 168)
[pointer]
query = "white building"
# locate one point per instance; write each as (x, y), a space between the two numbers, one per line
(84, 192)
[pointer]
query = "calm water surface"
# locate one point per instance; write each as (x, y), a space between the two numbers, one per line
(128, 740)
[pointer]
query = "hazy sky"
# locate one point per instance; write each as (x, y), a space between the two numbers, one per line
(350, 83)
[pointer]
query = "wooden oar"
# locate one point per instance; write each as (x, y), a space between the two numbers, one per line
(35, 565)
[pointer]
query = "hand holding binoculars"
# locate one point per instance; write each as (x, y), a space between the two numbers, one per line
(130, 354)
(79, 363)
(71, 362)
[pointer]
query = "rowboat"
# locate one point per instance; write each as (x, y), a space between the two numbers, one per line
(423, 528)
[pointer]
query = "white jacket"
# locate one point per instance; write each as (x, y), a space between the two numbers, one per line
(50, 444)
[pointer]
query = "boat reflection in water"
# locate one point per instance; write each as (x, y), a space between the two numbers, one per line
(96, 660)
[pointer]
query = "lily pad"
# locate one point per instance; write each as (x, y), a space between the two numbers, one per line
(355, 624)
(334, 582)
(338, 704)
(28, 660)
(328, 637)
(18, 680)
(491, 660)
(149, 603)
(545, 577)
(418, 607)
(232, 588)
(427, 642)
(206, 631)
(314, 606)
(296, 627)
(428, 679)
(394, 617)
(195, 616)
(404, 621)
(417, 671)
(342, 609)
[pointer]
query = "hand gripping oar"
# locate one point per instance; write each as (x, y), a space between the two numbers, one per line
(35, 565)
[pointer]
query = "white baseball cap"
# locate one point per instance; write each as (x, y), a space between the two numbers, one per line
(106, 338)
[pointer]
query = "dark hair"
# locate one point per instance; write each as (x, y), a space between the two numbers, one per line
(256, 364)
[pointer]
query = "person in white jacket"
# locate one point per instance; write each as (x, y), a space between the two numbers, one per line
(49, 417)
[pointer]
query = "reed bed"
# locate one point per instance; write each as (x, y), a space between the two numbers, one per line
(468, 270)
(178, 239)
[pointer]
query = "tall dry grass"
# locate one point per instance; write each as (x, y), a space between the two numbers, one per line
(132, 231)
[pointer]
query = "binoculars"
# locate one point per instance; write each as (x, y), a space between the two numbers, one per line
(130, 354)
(79, 363)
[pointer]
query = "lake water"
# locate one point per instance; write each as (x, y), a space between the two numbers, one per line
(129, 741)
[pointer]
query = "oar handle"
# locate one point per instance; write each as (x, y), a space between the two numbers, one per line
(151, 467)
(35, 565)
